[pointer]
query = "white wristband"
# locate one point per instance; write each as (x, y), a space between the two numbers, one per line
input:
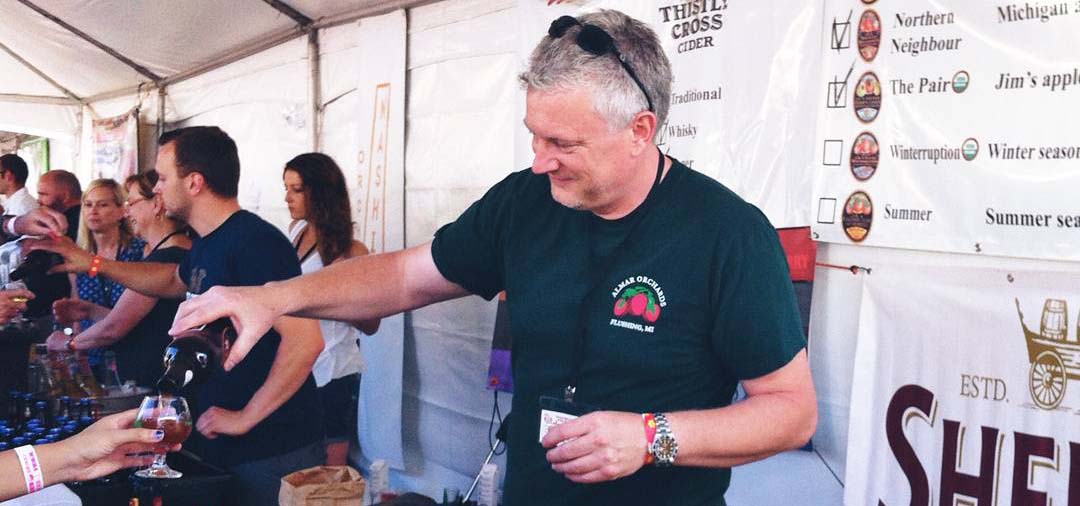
(9, 226)
(31, 468)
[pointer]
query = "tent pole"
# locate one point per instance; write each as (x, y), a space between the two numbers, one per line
(96, 43)
(37, 99)
(41, 74)
(272, 41)
(161, 111)
(315, 64)
(289, 11)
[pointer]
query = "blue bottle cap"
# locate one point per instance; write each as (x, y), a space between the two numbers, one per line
(4, 446)
(19, 441)
(41, 404)
(42, 441)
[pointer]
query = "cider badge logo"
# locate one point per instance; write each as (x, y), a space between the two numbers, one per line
(858, 216)
(869, 38)
(865, 154)
(637, 297)
(960, 81)
(1053, 355)
(970, 149)
(868, 97)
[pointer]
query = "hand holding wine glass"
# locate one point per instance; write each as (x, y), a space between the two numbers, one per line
(12, 301)
(169, 414)
(15, 296)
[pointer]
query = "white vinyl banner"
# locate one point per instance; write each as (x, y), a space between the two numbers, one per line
(740, 112)
(949, 126)
(379, 207)
(965, 389)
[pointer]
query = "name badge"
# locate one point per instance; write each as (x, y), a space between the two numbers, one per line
(555, 411)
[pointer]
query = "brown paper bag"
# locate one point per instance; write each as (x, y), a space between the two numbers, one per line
(322, 486)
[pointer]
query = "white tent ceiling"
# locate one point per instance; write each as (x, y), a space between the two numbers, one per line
(68, 50)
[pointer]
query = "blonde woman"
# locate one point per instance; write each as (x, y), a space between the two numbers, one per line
(103, 230)
(137, 328)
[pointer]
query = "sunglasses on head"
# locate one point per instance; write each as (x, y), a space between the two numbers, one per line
(597, 42)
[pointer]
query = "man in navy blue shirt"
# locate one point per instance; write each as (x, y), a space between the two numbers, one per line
(258, 420)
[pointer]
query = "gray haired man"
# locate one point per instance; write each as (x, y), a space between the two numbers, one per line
(642, 292)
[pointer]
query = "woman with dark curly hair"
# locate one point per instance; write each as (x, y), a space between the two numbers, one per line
(322, 233)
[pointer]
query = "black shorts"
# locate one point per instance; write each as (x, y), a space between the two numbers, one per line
(339, 398)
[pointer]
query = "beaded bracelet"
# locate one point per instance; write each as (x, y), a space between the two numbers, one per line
(650, 435)
(95, 266)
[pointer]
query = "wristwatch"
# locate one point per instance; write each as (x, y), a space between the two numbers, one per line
(665, 447)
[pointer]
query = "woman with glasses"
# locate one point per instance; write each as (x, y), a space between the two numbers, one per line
(136, 328)
(322, 233)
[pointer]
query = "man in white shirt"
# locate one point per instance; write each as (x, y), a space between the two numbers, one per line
(13, 174)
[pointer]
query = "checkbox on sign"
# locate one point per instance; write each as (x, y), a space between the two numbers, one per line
(841, 33)
(826, 211)
(838, 88)
(832, 154)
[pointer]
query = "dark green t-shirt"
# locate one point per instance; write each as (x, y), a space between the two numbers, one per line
(689, 301)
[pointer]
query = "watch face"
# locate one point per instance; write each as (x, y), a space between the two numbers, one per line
(665, 448)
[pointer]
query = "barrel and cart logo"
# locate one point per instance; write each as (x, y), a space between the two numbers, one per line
(865, 154)
(858, 216)
(637, 298)
(1054, 355)
(869, 35)
(868, 97)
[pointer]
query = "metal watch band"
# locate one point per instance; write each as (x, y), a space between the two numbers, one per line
(665, 447)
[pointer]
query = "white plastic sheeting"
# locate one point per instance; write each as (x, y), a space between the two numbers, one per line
(166, 38)
(460, 131)
(262, 102)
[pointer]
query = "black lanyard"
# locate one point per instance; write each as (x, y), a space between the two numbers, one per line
(578, 357)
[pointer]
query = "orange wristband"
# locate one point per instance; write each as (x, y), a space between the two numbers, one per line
(650, 435)
(95, 266)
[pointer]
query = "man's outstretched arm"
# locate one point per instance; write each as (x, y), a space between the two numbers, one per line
(357, 289)
(159, 280)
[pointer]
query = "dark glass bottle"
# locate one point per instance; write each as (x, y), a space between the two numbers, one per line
(14, 411)
(36, 263)
(41, 413)
(194, 355)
